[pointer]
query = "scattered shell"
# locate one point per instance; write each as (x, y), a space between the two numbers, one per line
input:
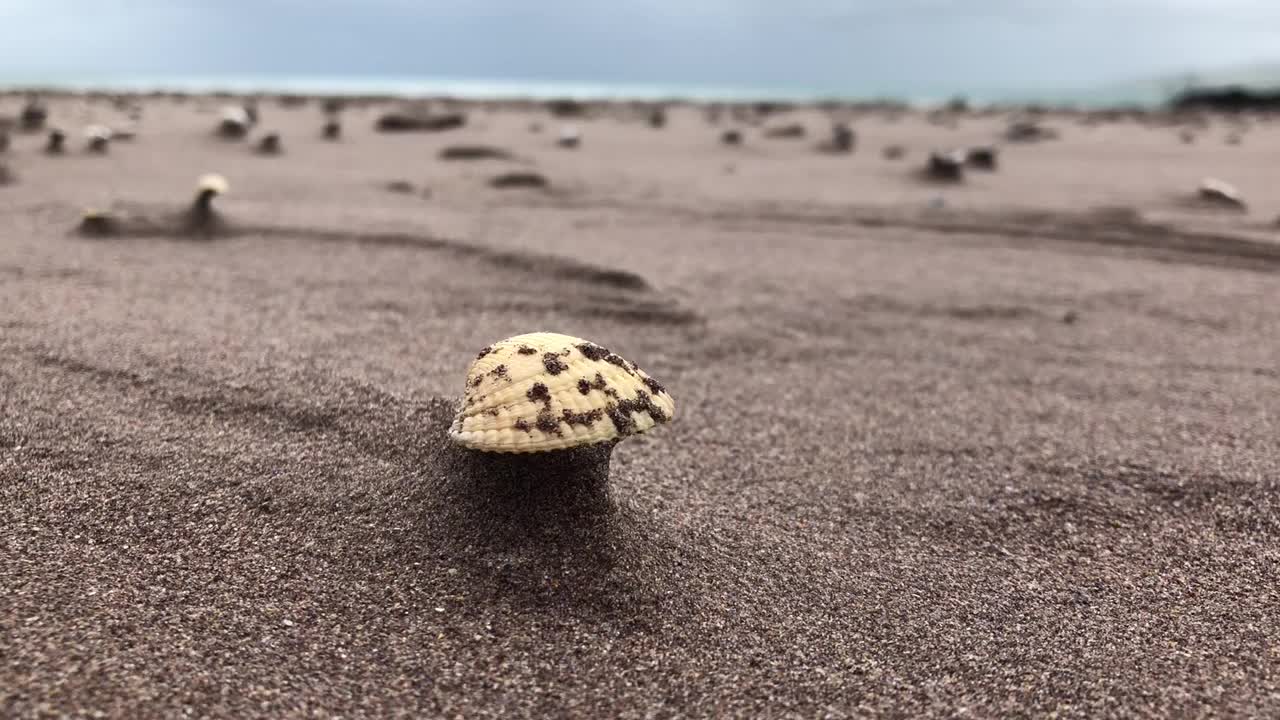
(56, 143)
(570, 137)
(545, 391)
(125, 133)
(414, 120)
(97, 137)
(235, 122)
(1218, 192)
(474, 152)
(842, 139)
(1029, 131)
(566, 108)
(510, 180)
(236, 114)
(790, 131)
(269, 144)
(945, 167)
(212, 183)
(982, 157)
(98, 223)
(34, 115)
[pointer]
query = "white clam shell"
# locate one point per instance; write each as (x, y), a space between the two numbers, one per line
(545, 391)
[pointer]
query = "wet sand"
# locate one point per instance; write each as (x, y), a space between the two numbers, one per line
(1009, 454)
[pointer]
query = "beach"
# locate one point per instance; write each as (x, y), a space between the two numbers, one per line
(1007, 447)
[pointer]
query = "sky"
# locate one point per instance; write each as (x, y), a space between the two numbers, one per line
(890, 47)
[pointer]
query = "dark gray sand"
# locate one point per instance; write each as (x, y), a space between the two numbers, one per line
(925, 463)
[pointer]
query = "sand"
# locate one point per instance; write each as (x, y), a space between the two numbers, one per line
(1002, 449)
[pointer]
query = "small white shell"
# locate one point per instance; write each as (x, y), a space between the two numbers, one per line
(1216, 190)
(213, 183)
(98, 132)
(545, 391)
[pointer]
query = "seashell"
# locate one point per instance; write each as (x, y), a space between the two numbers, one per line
(1218, 192)
(57, 139)
(546, 391)
(983, 157)
(945, 167)
(235, 122)
(212, 183)
(236, 114)
(98, 137)
(570, 137)
(99, 223)
(269, 144)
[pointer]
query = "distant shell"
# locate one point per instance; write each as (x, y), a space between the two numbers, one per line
(1220, 187)
(236, 114)
(1219, 192)
(545, 391)
(98, 132)
(98, 222)
(214, 183)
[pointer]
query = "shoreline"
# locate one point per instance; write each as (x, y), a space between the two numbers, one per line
(391, 89)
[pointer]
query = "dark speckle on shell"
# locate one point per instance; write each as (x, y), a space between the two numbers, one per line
(553, 363)
(547, 423)
(614, 359)
(588, 418)
(540, 393)
(620, 412)
(654, 386)
(593, 352)
(586, 386)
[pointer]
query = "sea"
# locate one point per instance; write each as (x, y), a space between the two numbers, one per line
(1139, 94)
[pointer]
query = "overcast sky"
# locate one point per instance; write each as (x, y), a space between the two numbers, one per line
(898, 46)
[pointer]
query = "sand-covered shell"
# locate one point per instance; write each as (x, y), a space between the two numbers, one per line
(545, 391)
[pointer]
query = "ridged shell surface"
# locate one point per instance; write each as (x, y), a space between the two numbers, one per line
(545, 391)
